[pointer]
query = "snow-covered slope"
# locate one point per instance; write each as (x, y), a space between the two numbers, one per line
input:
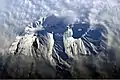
(47, 47)
(36, 43)
(59, 50)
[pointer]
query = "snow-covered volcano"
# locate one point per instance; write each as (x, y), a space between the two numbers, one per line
(74, 39)
(60, 49)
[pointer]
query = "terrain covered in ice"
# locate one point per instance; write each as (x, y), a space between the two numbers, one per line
(59, 39)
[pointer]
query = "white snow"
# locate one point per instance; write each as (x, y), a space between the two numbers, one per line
(15, 15)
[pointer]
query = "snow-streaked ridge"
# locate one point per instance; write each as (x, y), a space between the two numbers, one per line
(39, 43)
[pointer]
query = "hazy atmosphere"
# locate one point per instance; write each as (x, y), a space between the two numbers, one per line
(59, 38)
